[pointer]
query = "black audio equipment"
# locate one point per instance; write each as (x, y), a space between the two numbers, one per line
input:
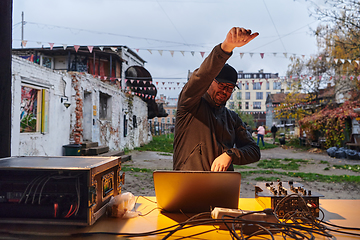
(287, 197)
(57, 190)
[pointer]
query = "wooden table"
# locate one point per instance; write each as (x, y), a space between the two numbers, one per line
(340, 212)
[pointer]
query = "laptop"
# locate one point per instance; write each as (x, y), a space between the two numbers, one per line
(196, 191)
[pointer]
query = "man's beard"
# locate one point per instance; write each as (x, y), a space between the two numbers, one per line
(220, 98)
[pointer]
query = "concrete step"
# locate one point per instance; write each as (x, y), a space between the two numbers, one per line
(87, 144)
(113, 153)
(93, 151)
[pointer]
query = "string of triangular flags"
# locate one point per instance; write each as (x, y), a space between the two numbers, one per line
(202, 53)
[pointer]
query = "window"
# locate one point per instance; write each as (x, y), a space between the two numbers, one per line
(246, 86)
(168, 111)
(125, 126)
(34, 109)
(134, 121)
(256, 86)
(104, 109)
(247, 95)
(156, 119)
(173, 120)
(246, 105)
(240, 105)
(259, 95)
(162, 120)
(238, 95)
(231, 97)
(231, 105)
(168, 120)
(267, 85)
(47, 62)
(174, 112)
(277, 86)
(240, 86)
(267, 94)
(257, 105)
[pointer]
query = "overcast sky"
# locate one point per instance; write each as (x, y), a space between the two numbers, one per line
(181, 26)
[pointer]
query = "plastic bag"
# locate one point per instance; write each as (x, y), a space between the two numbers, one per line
(121, 206)
(340, 153)
(352, 155)
(331, 151)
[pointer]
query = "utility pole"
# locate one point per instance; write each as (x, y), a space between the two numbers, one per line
(22, 29)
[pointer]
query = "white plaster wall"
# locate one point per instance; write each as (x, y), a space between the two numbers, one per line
(62, 120)
(38, 144)
(110, 132)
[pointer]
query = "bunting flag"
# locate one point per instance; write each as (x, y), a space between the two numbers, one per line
(90, 48)
(202, 53)
(76, 47)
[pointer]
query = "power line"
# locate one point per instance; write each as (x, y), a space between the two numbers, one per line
(274, 25)
(112, 34)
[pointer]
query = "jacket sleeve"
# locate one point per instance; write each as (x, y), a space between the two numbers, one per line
(245, 149)
(201, 78)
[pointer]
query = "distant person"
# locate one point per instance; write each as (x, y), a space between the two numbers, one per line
(273, 132)
(260, 135)
(208, 136)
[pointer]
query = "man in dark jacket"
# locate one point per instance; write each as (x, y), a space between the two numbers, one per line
(273, 132)
(208, 136)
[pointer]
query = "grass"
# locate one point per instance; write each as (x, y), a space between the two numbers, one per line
(354, 168)
(135, 169)
(292, 164)
(267, 145)
(309, 177)
(160, 143)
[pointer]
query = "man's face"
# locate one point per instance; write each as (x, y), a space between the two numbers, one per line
(220, 92)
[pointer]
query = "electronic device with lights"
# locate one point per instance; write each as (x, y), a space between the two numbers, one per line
(57, 190)
(298, 198)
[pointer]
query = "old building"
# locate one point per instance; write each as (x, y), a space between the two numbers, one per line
(57, 101)
(253, 90)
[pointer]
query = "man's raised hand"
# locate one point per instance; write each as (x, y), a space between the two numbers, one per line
(237, 37)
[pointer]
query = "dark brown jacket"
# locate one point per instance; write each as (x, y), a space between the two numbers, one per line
(204, 131)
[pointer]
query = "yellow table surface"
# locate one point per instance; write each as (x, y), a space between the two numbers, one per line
(340, 212)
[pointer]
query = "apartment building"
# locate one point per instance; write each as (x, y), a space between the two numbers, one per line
(250, 97)
(166, 123)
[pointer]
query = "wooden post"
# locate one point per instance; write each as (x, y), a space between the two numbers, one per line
(5, 77)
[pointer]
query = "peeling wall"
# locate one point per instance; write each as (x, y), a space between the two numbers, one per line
(109, 130)
(68, 125)
(40, 144)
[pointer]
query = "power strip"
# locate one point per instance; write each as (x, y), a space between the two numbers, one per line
(248, 228)
(219, 213)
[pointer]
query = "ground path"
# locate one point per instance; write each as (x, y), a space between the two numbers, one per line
(140, 183)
